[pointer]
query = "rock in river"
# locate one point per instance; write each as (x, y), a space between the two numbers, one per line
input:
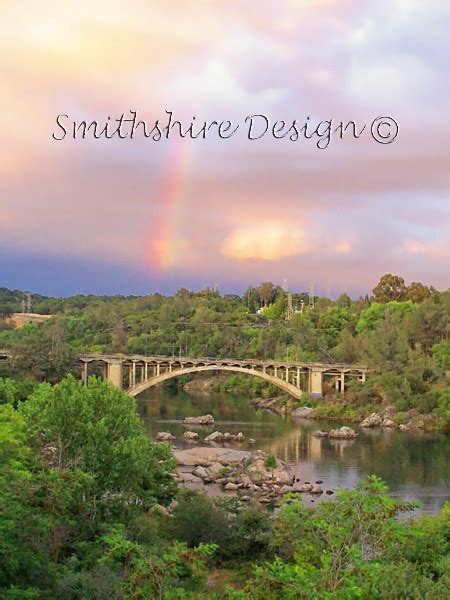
(202, 420)
(191, 436)
(305, 412)
(164, 436)
(218, 436)
(320, 434)
(373, 420)
(343, 433)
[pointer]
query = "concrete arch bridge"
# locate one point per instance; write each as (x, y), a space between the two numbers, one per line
(136, 373)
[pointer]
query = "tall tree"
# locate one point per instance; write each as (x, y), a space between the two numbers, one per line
(417, 292)
(266, 291)
(94, 428)
(390, 287)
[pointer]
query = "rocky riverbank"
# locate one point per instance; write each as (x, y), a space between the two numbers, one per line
(386, 418)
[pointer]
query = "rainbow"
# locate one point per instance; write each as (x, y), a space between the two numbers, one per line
(164, 239)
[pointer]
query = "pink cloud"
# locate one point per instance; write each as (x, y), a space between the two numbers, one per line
(437, 251)
(266, 241)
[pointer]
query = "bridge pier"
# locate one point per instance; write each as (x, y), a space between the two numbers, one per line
(84, 374)
(315, 382)
(114, 373)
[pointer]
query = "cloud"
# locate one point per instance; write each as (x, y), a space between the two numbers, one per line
(439, 251)
(343, 247)
(265, 241)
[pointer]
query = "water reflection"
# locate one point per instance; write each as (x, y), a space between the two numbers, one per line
(415, 465)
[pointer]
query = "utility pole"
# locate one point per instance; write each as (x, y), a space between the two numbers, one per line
(311, 297)
(289, 307)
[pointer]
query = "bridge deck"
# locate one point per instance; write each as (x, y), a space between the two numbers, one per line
(127, 359)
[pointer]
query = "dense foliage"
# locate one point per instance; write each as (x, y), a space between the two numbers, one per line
(354, 547)
(82, 496)
(75, 463)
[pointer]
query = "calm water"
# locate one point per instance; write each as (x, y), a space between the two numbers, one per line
(416, 466)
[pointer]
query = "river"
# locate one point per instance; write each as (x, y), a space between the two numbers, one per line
(415, 465)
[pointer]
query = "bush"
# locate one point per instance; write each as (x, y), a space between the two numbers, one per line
(196, 520)
(240, 532)
(443, 408)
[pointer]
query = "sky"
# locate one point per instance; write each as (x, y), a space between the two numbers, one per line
(135, 216)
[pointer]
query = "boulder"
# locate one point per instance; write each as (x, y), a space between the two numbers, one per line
(191, 436)
(264, 500)
(164, 436)
(403, 427)
(205, 456)
(275, 405)
(316, 489)
(285, 489)
(231, 486)
(320, 434)
(216, 436)
(259, 474)
(200, 472)
(214, 469)
(388, 423)
(305, 412)
(416, 423)
(373, 420)
(306, 487)
(188, 478)
(343, 433)
(159, 509)
(202, 420)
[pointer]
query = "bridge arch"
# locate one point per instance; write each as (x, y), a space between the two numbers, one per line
(283, 385)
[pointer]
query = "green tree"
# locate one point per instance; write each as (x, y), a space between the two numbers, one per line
(417, 292)
(252, 299)
(93, 428)
(441, 354)
(390, 287)
(266, 291)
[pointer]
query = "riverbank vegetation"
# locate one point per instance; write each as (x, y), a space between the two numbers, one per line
(89, 509)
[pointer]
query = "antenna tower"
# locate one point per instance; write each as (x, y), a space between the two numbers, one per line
(289, 307)
(311, 296)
